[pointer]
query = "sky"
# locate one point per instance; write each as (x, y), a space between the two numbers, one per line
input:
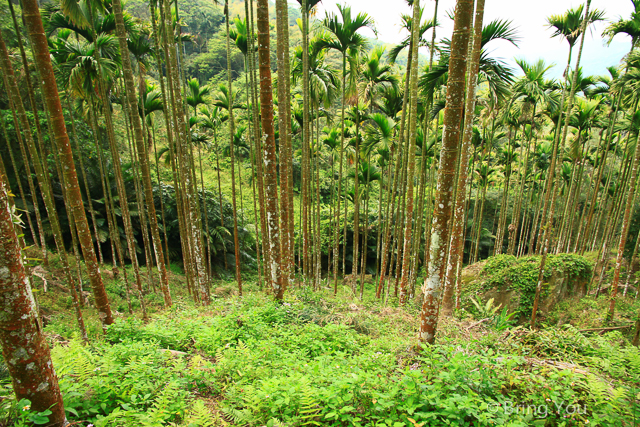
(528, 16)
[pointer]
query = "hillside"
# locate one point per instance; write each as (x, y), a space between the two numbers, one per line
(201, 228)
(326, 360)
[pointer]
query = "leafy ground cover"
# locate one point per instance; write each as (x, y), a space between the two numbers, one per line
(336, 361)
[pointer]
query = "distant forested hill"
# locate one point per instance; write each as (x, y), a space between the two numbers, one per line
(203, 20)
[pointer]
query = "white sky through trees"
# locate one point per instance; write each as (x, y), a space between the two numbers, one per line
(530, 18)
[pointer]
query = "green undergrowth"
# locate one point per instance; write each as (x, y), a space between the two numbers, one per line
(591, 312)
(320, 360)
(506, 272)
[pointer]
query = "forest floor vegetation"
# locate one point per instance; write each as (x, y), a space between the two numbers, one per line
(320, 359)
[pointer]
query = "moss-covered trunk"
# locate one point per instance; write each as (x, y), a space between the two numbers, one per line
(42, 56)
(23, 344)
(447, 171)
(269, 150)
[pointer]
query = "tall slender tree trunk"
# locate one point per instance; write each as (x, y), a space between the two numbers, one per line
(284, 119)
(456, 246)
(160, 60)
(139, 204)
(258, 143)
(502, 221)
(604, 152)
(24, 346)
(393, 189)
(21, 121)
(86, 183)
(411, 152)
(217, 150)
(193, 242)
(624, 233)
(549, 197)
(318, 255)
(269, 150)
(112, 223)
(34, 109)
(17, 173)
(548, 221)
(143, 159)
(447, 171)
(304, 200)
(252, 157)
(52, 101)
(339, 192)
(236, 242)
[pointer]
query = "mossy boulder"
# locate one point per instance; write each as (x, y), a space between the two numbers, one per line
(512, 281)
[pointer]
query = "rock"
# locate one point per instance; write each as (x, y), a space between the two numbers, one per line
(512, 281)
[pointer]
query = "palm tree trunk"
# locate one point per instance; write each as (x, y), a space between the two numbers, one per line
(23, 343)
(86, 183)
(417, 234)
(604, 152)
(448, 157)
(195, 267)
(387, 239)
(284, 118)
(160, 59)
(505, 200)
(25, 161)
(356, 204)
(139, 202)
(236, 243)
(340, 168)
(549, 220)
(114, 233)
(253, 158)
(515, 218)
(160, 190)
(365, 246)
(19, 116)
(215, 142)
(611, 215)
(548, 197)
(456, 245)
(258, 145)
(122, 195)
(318, 260)
(143, 159)
(603, 202)
(34, 109)
(379, 222)
(411, 152)
(429, 218)
(72, 229)
(269, 152)
(624, 233)
(567, 206)
(304, 200)
(421, 208)
(571, 226)
(52, 101)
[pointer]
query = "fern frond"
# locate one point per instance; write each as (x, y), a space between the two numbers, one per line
(199, 415)
(309, 407)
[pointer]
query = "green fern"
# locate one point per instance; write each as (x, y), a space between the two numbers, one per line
(309, 408)
(199, 416)
(74, 360)
(161, 406)
(241, 417)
